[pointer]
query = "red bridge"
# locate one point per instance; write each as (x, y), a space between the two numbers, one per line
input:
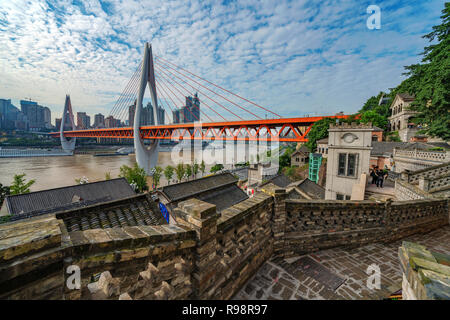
(283, 130)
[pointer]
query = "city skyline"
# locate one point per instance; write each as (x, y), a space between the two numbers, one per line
(335, 63)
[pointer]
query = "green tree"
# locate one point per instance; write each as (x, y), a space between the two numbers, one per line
(179, 171)
(157, 175)
(168, 173)
(429, 81)
(20, 185)
(107, 175)
(216, 168)
(285, 158)
(195, 169)
(372, 103)
(375, 118)
(318, 131)
(202, 167)
(188, 171)
(4, 191)
(135, 176)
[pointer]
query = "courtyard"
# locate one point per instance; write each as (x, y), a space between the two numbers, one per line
(337, 273)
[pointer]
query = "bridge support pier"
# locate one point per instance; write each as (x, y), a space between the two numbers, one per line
(68, 145)
(146, 155)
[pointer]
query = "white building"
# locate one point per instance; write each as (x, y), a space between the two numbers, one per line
(348, 160)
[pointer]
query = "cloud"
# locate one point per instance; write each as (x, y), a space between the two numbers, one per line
(298, 57)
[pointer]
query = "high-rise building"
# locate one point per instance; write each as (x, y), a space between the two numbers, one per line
(147, 117)
(38, 116)
(99, 121)
(58, 123)
(10, 116)
(83, 121)
(47, 118)
(188, 113)
(110, 122)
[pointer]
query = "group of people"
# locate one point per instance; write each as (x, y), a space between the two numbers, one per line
(378, 175)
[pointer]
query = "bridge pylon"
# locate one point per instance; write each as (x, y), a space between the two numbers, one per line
(146, 155)
(68, 145)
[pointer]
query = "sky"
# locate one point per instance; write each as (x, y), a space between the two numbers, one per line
(293, 57)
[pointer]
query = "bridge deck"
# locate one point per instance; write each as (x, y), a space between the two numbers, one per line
(282, 129)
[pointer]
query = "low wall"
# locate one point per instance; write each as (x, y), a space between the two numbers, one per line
(406, 191)
(315, 225)
(145, 262)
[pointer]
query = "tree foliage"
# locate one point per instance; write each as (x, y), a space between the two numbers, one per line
(179, 171)
(216, 168)
(195, 169)
(202, 167)
(318, 131)
(429, 81)
(188, 171)
(157, 175)
(168, 172)
(20, 185)
(135, 176)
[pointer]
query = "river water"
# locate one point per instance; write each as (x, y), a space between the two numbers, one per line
(54, 172)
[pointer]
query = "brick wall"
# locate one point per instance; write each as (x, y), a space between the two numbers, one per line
(320, 224)
(207, 255)
(151, 262)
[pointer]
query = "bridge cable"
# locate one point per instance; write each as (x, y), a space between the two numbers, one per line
(165, 66)
(249, 101)
(161, 71)
(219, 104)
(160, 77)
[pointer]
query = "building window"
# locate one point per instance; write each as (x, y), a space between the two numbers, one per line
(339, 196)
(326, 151)
(347, 197)
(347, 164)
(341, 167)
(297, 159)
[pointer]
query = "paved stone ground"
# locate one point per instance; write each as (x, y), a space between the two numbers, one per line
(281, 279)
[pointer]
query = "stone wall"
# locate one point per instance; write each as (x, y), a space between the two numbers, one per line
(207, 255)
(426, 274)
(231, 246)
(143, 262)
(314, 225)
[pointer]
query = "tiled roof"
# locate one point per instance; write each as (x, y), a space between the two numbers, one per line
(279, 180)
(323, 141)
(309, 187)
(303, 151)
(53, 200)
(385, 148)
(406, 96)
(138, 210)
(190, 189)
(225, 197)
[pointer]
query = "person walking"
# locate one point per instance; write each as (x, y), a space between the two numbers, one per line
(380, 178)
(373, 175)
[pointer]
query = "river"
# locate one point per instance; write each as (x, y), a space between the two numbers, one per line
(54, 172)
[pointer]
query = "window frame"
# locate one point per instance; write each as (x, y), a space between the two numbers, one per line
(346, 168)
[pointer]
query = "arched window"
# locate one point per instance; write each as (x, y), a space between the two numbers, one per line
(399, 125)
